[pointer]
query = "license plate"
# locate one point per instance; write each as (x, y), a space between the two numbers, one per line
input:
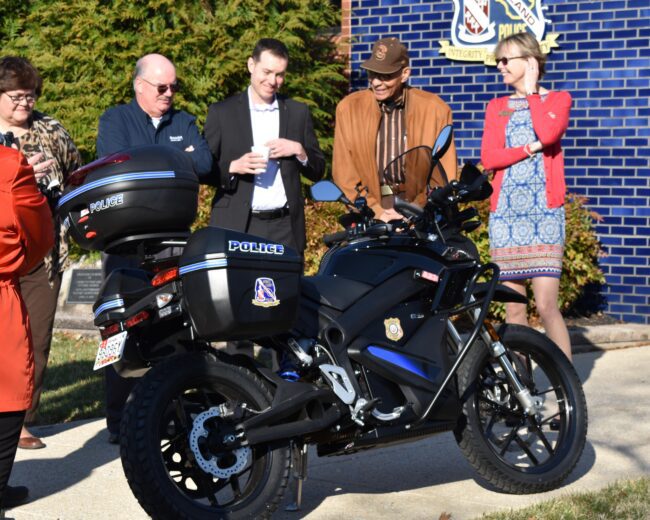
(110, 350)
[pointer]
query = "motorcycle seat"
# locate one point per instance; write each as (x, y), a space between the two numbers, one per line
(333, 291)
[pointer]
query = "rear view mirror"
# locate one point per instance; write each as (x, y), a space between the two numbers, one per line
(440, 147)
(325, 191)
(442, 143)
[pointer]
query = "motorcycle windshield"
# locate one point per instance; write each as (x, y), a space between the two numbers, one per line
(416, 165)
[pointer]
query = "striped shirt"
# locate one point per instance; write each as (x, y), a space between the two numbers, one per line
(391, 140)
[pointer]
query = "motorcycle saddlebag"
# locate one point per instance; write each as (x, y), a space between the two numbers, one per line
(142, 192)
(239, 286)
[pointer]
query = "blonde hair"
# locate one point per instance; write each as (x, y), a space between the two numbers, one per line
(527, 45)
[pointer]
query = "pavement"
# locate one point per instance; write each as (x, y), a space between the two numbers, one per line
(79, 475)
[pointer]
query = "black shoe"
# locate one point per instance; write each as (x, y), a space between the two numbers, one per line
(113, 438)
(14, 496)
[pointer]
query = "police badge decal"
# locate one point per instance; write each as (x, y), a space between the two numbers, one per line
(394, 330)
(265, 293)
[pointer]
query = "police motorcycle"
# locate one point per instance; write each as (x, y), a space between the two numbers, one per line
(388, 343)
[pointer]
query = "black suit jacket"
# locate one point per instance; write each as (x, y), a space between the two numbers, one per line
(229, 134)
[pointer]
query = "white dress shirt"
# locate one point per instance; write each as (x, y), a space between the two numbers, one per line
(269, 190)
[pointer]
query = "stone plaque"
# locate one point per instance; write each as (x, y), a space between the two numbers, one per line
(84, 285)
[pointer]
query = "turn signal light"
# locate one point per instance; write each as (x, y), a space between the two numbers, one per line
(164, 277)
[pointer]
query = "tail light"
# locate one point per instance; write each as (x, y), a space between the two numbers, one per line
(164, 277)
(109, 331)
(78, 176)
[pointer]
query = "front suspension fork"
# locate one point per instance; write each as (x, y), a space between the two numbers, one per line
(498, 351)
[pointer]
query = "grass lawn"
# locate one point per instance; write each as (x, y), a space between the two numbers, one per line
(624, 500)
(71, 390)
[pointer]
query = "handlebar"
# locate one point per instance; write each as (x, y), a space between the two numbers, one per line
(439, 196)
(333, 238)
(440, 215)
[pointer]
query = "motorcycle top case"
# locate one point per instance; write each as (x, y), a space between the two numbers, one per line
(142, 191)
(239, 286)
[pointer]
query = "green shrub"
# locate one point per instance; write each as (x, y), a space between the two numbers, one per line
(86, 50)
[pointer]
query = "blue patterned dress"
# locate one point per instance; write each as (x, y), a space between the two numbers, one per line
(526, 236)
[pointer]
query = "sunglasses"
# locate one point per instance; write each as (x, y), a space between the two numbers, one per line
(384, 77)
(504, 61)
(174, 87)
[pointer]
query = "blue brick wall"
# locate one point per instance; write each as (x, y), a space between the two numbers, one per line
(604, 61)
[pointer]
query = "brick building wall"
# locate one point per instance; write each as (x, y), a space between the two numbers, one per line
(604, 61)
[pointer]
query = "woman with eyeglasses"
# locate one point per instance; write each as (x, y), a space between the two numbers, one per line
(521, 144)
(53, 156)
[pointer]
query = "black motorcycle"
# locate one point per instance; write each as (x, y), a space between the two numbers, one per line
(387, 344)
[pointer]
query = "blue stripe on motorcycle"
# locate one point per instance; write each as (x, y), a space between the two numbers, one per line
(114, 179)
(200, 266)
(112, 304)
(394, 358)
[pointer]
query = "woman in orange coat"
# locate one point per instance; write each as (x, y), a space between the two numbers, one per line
(26, 235)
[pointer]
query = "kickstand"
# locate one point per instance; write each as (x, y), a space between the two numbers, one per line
(299, 474)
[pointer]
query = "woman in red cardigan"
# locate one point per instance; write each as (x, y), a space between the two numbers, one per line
(26, 235)
(521, 144)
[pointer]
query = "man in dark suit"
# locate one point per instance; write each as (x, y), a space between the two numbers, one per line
(259, 195)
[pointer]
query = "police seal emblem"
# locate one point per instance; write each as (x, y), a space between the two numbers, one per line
(265, 293)
(478, 25)
(394, 330)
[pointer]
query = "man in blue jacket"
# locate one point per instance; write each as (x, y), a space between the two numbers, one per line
(148, 119)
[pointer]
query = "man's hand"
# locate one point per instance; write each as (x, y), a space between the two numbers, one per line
(41, 167)
(286, 148)
(389, 214)
(249, 163)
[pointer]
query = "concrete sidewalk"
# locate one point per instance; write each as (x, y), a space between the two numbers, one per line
(79, 475)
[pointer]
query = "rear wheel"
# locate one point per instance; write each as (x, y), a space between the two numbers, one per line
(176, 432)
(514, 451)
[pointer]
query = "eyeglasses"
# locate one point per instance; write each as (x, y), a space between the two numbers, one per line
(174, 87)
(504, 61)
(17, 100)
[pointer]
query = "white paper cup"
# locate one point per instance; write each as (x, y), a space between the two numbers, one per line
(263, 151)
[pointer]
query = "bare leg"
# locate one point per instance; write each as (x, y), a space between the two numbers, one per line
(547, 290)
(516, 312)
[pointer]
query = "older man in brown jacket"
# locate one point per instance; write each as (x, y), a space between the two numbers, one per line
(375, 125)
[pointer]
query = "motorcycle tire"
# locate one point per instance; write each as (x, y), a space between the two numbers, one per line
(160, 462)
(515, 452)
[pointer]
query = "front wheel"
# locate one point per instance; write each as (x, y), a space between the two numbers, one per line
(514, 451)
(175, 436)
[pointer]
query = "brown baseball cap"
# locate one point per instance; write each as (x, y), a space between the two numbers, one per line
(388, 56)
